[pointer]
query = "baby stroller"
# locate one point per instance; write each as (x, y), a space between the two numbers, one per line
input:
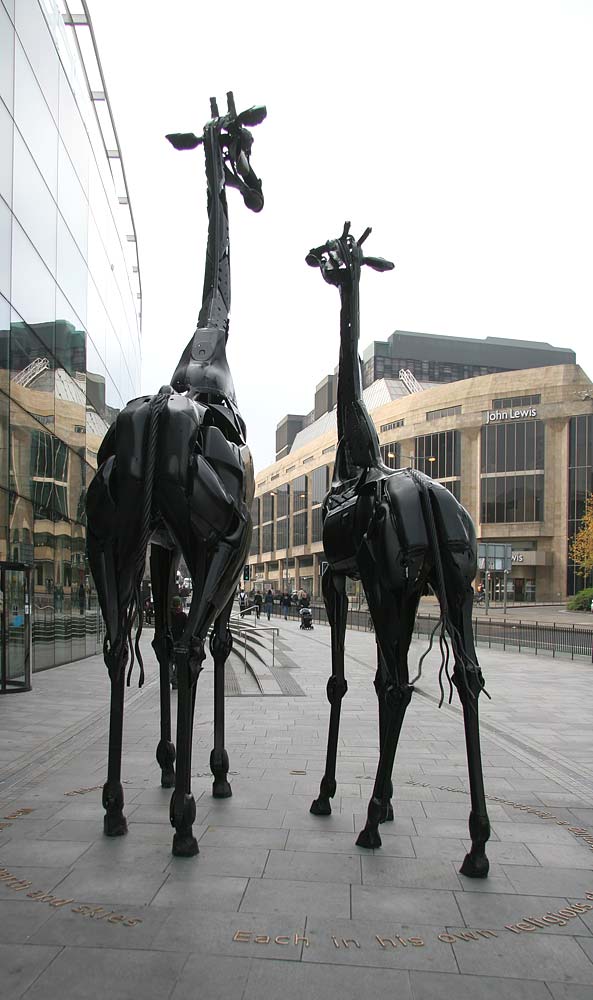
(306, 616)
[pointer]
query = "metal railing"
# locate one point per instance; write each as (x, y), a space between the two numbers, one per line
(243, 630)
(537, 637)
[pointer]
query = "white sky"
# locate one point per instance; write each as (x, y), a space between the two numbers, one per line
(460, 130)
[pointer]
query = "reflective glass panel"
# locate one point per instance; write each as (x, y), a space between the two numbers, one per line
(6, 130)
(63, 591)
(43, 593)
(34, 120)
(5, 249)
(73, 132)
(72, 201)
(41, 51)
(6, 58)
(33, 205)
(72, 272)
(33, 287)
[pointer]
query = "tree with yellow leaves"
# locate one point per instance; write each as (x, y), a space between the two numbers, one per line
(581, 547)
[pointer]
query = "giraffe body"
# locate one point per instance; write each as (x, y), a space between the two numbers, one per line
(397, 532)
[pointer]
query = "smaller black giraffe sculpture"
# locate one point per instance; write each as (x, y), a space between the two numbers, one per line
(174, 470)
(396, 531)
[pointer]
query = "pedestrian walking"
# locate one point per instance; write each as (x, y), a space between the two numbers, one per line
(269, 603)
(285, 602)
(258, 601)
(242, 599)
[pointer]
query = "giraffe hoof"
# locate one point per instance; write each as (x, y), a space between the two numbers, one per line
(321, 807)
(184, 846)
(115, 825)
(221, 789)
(368, 838)
(475, 866)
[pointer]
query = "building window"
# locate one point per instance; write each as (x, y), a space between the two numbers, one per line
(267, 538)
(508, 401)
(299, 529)
(316, 524)
(255, 511)
(319, 480)
(254, 549)
(299, 493)
(513, 447)
(580, 483)
(509, 499)
(391, 455)
(49, 475)
(445, 411)
(282, 533)
(283, 500)
(392, 425)
(439, 455)
(267, 507)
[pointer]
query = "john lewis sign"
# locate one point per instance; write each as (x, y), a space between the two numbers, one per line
(524, 413)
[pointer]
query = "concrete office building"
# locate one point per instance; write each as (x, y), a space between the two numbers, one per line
(69, 324)
(514, 446)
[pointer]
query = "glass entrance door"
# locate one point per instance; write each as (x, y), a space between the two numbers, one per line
(15, 627)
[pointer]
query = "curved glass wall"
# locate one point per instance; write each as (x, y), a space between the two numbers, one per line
(69, 320)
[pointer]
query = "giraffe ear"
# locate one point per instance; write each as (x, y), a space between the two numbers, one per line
(183, 140)
(378, 263)
(253, 116)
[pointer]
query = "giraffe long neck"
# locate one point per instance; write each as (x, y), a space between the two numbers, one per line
(216, 296)
(203, 367)
(356, 431)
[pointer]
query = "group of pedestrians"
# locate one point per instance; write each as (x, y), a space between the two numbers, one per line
(257, 600)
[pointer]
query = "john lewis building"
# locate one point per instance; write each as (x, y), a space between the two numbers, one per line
(516, 447)
(69, 323)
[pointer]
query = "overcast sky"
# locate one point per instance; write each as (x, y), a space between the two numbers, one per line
(460, 130)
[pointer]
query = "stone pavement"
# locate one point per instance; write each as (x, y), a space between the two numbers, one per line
(280, 903)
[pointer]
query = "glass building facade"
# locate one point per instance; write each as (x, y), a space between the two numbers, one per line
(69, 325)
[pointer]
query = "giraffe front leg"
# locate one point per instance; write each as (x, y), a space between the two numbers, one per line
(221, 643)
(183, 807)
(114, 821)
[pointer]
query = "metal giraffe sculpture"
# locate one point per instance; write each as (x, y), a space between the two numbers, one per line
(396, 532)
(174, 470)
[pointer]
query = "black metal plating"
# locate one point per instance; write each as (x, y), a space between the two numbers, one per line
(174, 470)
(396, 531)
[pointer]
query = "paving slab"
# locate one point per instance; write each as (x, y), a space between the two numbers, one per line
(280, 902)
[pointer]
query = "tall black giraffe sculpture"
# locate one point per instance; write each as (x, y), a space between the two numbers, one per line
(174, 470)
(395, 531)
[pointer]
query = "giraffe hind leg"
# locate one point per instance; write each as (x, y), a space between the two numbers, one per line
(457, 553)
(163, 563)
(336, 603)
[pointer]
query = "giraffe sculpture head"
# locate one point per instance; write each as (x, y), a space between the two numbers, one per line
(235, 142)
(340, 260)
